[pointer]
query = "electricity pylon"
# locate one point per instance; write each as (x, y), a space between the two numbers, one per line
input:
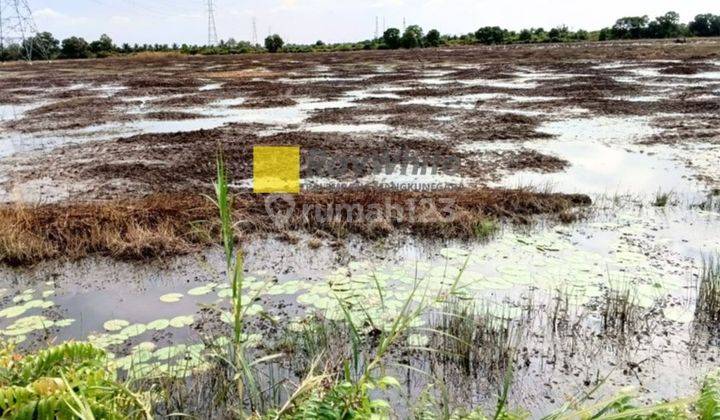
(17, 26)
(212, 29)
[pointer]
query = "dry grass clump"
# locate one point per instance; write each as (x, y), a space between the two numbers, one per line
(131, 229)
(170, 224)
(154, 55)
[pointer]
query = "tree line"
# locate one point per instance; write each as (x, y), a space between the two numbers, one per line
(45, 46)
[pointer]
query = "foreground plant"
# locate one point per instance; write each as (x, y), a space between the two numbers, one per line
(708, 302)
(73, 380)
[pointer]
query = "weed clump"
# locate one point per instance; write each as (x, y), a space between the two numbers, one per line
(708, 302)
(620, 311)
(473, 338)
(662, 199)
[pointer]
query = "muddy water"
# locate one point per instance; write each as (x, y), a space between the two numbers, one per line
(654, 251)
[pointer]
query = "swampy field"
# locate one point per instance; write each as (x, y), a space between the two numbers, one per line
(578, 278)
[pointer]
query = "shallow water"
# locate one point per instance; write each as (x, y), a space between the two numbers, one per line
(597, 168)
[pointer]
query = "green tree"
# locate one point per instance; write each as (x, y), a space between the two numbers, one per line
(665, 26)
(274, 43)
(702, 25)
(559, 34)
(413, 37)
(581, 35)
(630, 27)
(490, 35)
(432, 39)
(43, 46)
(391, 38)
(12, 52)
(103, 46)
(75, 47)
(605, 34)
(525, 35)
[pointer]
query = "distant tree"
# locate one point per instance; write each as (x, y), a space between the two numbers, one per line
(490, 35)
(413, 37)
(558, 34)
(630, 27)
(605, 34)
(43, 46)
(274, 43)
(432, 39)
(103, 46)
(525, 35)
(581, 35)
(319, 43)
(391, 38)
(12, 52)
(665, 26)
(702, 25)
(74, 47)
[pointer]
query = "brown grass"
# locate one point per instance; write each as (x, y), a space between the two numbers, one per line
(241, 74)
(134, 229)
(165, 225)
(154, 55)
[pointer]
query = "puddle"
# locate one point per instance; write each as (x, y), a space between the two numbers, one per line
(11, 112)
(210, 86)
(349, 128)
(604, 160)
(599, 169)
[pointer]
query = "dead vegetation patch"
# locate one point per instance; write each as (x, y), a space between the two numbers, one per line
(528, 159)
(276, 102)
(68, 114)
(164, 225)
(171, 115)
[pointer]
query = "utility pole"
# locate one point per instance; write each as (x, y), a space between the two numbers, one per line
(17, 27)
(212, 29)
(377, 27)
(403, 24)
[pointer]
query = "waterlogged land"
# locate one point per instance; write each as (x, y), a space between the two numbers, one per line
(587, 192)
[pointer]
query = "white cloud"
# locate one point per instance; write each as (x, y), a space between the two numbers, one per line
(48, 13)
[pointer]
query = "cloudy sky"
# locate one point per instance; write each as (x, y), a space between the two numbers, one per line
(303, 21)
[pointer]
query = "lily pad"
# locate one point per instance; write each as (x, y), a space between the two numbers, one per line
(158, 325)
(200, 291)
(182, 321)
(115, 324)
(171, 297)
(133, 330)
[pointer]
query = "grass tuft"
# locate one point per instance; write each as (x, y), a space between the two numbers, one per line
(662, 199)
(708, 302)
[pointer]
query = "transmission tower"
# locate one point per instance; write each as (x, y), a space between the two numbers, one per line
(212, 29)
(255, 36)
(17, 26)
(377, 27)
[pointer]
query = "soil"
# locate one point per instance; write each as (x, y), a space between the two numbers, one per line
(425, 102)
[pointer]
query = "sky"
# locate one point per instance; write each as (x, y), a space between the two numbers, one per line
(305, 21)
